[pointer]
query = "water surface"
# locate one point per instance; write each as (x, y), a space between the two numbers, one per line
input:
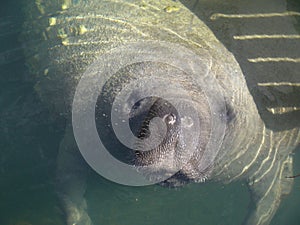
(29, 139)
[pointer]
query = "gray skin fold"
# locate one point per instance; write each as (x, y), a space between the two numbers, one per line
(63, 38)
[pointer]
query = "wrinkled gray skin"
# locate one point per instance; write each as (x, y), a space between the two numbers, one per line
(67, 37)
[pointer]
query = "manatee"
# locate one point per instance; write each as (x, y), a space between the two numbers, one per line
(98, 62)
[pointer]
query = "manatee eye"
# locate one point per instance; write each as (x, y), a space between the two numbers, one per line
(170, 118)
(230, 114)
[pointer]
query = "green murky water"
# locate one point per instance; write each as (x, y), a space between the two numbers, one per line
(29, 139)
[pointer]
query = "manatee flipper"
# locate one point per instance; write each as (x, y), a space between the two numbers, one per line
(71, 180)
(267, 190)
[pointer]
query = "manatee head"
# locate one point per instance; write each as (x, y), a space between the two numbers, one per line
(160, 110)
(171, 132)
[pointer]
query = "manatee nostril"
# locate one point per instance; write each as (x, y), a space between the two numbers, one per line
(187, 121)
(170, 118)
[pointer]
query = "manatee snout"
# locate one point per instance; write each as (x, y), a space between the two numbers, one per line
(172, 157)
(161, 113)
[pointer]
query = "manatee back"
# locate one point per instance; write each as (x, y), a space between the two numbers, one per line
(63, 38)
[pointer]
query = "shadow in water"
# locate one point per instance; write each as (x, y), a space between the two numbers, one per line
(265, 41)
